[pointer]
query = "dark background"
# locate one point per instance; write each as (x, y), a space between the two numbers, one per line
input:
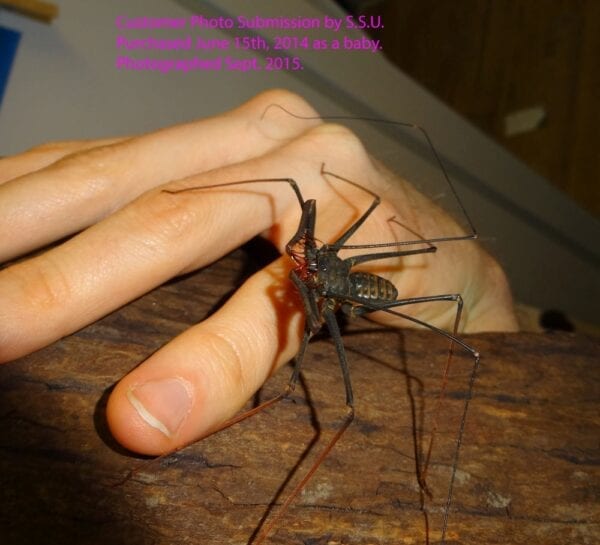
(489, 58)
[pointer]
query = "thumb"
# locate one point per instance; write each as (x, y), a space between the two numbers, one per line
(199, 380)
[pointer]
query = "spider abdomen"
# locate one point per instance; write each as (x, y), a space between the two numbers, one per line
(335, 279)
(371, 288)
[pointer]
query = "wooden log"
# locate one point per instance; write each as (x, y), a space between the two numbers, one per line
(528, 468)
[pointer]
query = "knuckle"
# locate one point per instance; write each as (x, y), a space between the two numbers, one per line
(94, 159)
(246, 348)
(94, 169)
(340, 136)
(55, 146)
(287, 99)
(278, 115)
(44, 284)
(336, 142)
(59, 148)
(163, 217)
(234, 372)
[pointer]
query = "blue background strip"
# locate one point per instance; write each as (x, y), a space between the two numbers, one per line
(9, 41)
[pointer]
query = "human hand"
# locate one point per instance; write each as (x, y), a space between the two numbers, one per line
(134, 237)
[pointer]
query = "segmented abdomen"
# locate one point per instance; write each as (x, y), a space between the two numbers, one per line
(371, 288)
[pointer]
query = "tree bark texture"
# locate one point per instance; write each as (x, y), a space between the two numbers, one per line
(527, 472)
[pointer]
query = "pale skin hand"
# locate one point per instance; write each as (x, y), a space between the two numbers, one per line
(134, 237)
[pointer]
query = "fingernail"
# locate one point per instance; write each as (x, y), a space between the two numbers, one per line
(163, 404)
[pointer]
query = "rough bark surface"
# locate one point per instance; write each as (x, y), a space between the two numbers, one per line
(528, 469)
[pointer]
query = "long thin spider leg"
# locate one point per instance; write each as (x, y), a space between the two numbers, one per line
(288, 389)
(355, 226)
(339, 244)
(361, 310)
(422, 239)
(356, 259)
(459, 306)
(383, 122)
(419, 240)
(313, 323)
(292, 183)
(405, 242)
(308, 448)
(334, 330)
(306, 226)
